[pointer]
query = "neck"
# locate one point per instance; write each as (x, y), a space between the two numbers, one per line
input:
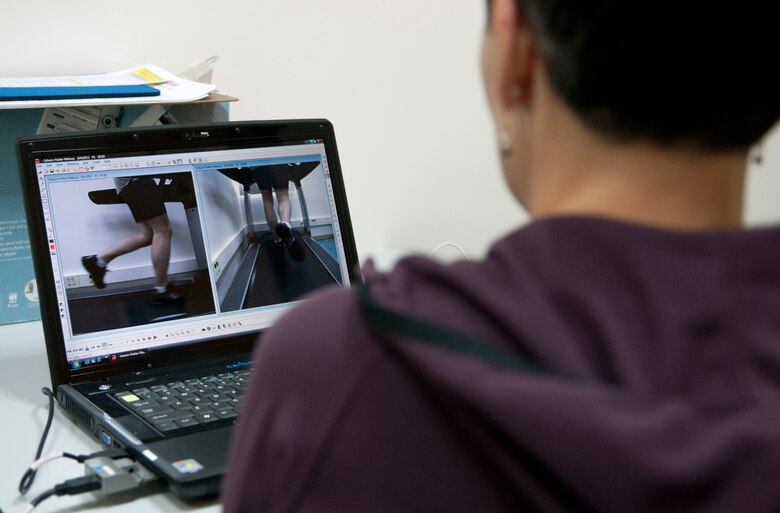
(575, 171)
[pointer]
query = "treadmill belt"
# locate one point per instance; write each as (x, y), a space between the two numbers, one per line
(277, 278)
(134, 308)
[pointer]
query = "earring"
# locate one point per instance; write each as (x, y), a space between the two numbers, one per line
(757, 154)
(504, 142)
(503, 137)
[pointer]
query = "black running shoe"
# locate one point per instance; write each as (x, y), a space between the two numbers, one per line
(293, 243)
(295, 247)
(169, 297)
(96, 272)
(284, 232)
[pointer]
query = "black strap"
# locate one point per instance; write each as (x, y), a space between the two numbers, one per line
(425, 331)
(385, 322)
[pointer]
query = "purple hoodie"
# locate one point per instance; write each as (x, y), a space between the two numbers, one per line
(664, 392)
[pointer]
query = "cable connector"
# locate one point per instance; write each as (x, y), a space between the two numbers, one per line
(114, 454)
(70, 487)
(118, 475)
(78, 485)
(29, 475)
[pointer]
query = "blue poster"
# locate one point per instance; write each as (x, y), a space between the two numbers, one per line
(18, 293)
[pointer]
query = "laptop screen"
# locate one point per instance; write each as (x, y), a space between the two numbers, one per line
(183, 244)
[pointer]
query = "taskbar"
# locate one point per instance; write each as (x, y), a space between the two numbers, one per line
(81, 363)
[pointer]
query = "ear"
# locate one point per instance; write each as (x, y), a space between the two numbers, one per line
(516, 53)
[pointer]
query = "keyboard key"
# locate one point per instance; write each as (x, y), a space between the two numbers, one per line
(165, 426)
(170, 415)
(207, 417)
(214, 397)
(227, 413)
(187, 422)
(127, 397)
(149, 410)
(143, 404)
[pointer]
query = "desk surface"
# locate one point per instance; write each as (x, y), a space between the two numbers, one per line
(23, 409)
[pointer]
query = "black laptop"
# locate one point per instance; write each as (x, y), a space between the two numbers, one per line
(254, 219)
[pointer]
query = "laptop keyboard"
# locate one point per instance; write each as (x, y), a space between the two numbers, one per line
(190, 402)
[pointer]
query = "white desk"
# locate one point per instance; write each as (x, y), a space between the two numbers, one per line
(23, 408)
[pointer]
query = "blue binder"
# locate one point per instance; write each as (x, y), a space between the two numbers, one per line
(75, 92)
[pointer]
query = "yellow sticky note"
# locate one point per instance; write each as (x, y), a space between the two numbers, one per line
(147, 75)
(130, 398)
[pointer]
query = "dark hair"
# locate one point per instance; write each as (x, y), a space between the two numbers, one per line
(674, 72)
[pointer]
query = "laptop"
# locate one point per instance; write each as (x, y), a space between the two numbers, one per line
(160, 370)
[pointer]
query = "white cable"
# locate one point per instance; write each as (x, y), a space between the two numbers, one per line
(44, 459)
(451, 244)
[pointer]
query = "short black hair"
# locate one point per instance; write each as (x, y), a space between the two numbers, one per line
(674, 72)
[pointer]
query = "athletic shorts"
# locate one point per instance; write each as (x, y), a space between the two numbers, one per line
(144, 197)
(272, 179)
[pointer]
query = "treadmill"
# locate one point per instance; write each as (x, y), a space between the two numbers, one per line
(265, 275)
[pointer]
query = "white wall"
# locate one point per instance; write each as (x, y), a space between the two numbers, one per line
(399, 79)
(223, 210)
(763, 186)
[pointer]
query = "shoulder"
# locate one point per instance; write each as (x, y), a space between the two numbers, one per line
(538, 291)
(307, 367)
(321, 336)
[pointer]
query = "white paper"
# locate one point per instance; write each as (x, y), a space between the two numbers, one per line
(172, 88)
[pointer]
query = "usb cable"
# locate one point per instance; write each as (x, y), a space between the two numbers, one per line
(106, 472)
(103, 475)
